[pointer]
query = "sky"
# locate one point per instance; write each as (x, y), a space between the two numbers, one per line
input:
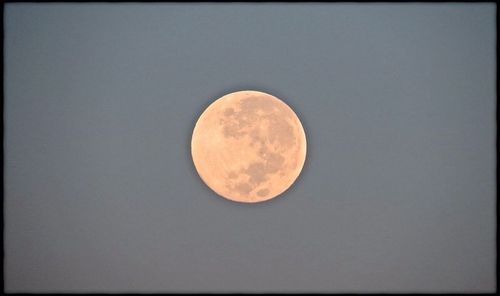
(397, 193)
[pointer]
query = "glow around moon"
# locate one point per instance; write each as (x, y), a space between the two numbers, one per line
(248, 146)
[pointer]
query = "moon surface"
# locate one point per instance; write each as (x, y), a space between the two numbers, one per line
(248, 146)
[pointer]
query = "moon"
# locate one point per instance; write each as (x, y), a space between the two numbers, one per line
(248, 146)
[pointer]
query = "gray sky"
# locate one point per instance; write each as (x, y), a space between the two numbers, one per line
(397, 193)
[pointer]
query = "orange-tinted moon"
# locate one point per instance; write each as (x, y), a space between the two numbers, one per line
(248, 146)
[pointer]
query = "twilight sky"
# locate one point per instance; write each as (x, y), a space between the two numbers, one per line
(398, 189)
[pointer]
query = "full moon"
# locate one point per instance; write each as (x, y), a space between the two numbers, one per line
(248, 146)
